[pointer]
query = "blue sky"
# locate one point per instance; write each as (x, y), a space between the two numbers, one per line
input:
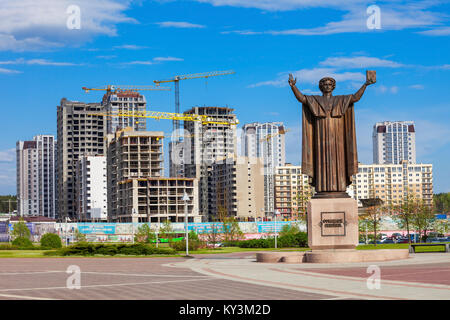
(136, 42)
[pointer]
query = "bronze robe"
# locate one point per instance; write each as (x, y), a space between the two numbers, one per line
(329, 154)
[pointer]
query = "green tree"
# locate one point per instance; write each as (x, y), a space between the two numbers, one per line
(423, 218)
(303, 198)
(441, 202)
(372, 218)
(8, 204)
(213, 236)
(231, 230)
(80, 237)
(405, 212)
(289, 230)
(20, 229)
(166, 230)
(144, 234)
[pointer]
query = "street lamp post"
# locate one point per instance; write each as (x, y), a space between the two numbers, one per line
(276, 232)
(186, 199)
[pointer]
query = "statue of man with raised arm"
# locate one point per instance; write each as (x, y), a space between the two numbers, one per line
(329, 154)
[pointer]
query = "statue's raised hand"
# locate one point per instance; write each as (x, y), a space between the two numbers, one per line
(291, 80)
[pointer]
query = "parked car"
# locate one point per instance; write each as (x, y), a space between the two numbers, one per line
(378, 242)
(435, 240)
(388, 240)
(403, 240)
(214, 245)
(383, 236)
(397, 235)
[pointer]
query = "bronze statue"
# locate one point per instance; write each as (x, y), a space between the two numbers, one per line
(329, 154)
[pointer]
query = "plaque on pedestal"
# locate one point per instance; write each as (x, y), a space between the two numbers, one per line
(332, 223)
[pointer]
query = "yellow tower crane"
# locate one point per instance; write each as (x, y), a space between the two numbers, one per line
(176, 81)
(157, 115)
(114, 89)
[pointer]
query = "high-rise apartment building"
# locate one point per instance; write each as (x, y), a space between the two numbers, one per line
(81, 131)
(132, 155)
(128, 101)
(91, 188)
(138, 192)
(393, 142)
(36, 176)
(237, 188)
(265, 140)
(392, 182)
(292, 191)
(204, 143)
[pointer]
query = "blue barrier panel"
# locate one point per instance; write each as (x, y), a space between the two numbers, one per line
(269, 226)
(97, 228)
(30, 227)
(205, 227)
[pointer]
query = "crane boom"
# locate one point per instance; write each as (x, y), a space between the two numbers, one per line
(195, 76)
(176, 81)
(167, 116)
(120, 88)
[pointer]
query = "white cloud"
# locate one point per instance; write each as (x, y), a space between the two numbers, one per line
(282, 5)
(140, 62)
(155, 60)
(179, 24)
(41, 62)
(130, 47)
(417, 87)
(443, 31)
(395, 15)
(359, 62)
(311, 76)
(8, 155)
(9, 71)
(383, 89)
(38, 25)
(162, 59)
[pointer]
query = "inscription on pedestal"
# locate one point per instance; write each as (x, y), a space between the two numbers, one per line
(332, 224)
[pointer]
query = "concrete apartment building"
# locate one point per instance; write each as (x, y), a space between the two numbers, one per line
(91, 188)
(36, 177)
(237, 187)
(392, 182)
(81, 131)
(292, 191)
(393, 142)
(207, 142)
(129, 101)
(267, 141)
(131, 155)
(157, 200)
(137, 189)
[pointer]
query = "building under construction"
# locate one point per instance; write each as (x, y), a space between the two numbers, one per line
(205, 143)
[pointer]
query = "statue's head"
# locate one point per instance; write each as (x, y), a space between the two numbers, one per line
(327, 85)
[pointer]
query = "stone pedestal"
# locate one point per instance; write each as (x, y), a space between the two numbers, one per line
(332, 223)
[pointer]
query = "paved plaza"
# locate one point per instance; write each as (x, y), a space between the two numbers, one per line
(234, 276)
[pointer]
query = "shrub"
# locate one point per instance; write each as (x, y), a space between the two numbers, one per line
(181, 245)
(22, 242)
(299, 239)
(8, 247)
(51, 240)
(87, 249)
(106, 250)
(289, 229)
